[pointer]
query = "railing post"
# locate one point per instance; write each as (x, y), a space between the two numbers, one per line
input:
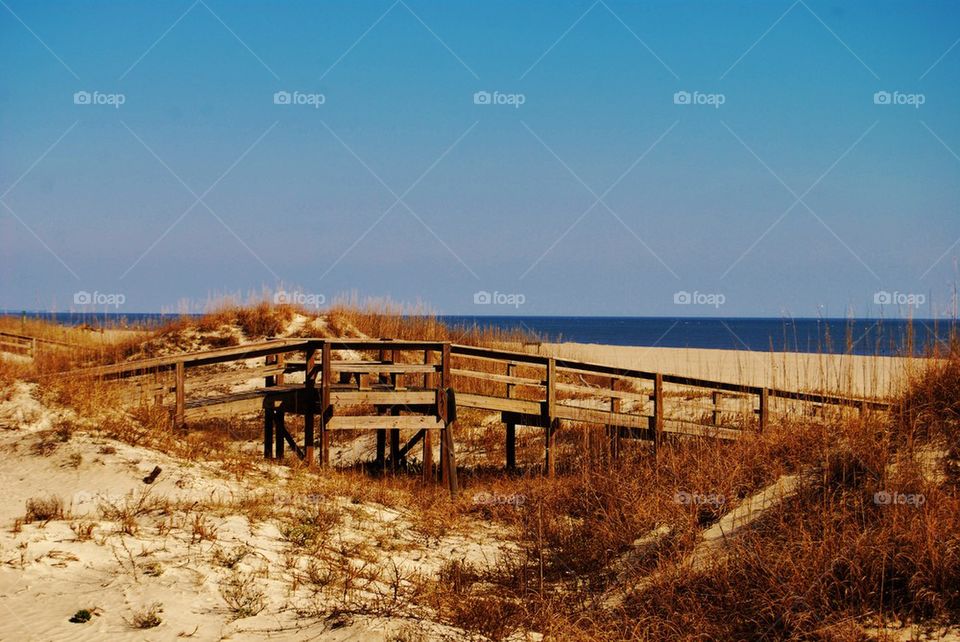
(717, 396)
(429, 383)
(511, 436)
(309, 393)
(448, 464)
(614, 433)
(656, 422)
(326, 409)
(764, 410)
(551, 423)
(268, 415)
(181, 400)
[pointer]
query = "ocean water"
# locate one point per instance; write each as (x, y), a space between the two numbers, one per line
(855, 336)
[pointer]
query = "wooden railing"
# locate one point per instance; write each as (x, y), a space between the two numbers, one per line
(389, 385)
(28, 345)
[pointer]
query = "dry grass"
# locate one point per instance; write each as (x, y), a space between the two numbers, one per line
(824, 564)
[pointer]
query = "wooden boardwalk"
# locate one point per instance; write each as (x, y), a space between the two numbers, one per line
(418, 386)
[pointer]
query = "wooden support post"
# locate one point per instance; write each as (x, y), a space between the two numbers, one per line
(394, 443)
(656, 422)
(279, 429)
(180, 404)
(268, 430)
(511, 446)
(158, 396)
(717, 396)
(511, 436)
(326, 409)
(764, 410)
(448, 471)
(381, 448)
(429, 382)
(309, 393)
(614, 430)
(549, 456)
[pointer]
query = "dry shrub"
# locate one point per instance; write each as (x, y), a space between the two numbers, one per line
(148, 617)
(932, 403)
(264, 320)
(242, 595)
(43, 509)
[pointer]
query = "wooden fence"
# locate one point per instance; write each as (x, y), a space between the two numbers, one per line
(417, 386)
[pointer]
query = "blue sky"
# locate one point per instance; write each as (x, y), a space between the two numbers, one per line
(605, 192)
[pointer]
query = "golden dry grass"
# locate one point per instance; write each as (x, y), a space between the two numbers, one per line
(824, 564)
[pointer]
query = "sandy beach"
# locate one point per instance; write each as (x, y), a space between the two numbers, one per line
(854, 375)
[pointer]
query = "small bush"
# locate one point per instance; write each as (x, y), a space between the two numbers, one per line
(242, 595)
(43, 509)
(147, 618)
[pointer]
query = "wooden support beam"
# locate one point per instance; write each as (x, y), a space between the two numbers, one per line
(614, 432)
(181, 399)
(326, 409)
(284, 436)
(407, 447)
(279, 431)
(717, 397)
(549, 448)
(511, 436)
(394, 443)
(445, 376)
(549, 434)
(656, 421)
(429, 382)
(764, 410)
(268, 430)
(309, 388)
(381, 448)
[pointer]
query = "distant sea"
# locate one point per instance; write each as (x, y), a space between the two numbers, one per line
(856, 336)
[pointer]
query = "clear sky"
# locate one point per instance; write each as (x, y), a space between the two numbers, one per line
(583, 182)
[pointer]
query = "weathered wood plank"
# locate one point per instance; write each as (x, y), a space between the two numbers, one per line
(415, 422)
(486, 402)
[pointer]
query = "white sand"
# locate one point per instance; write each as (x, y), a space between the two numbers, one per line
(48, 572)
(841, 374)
